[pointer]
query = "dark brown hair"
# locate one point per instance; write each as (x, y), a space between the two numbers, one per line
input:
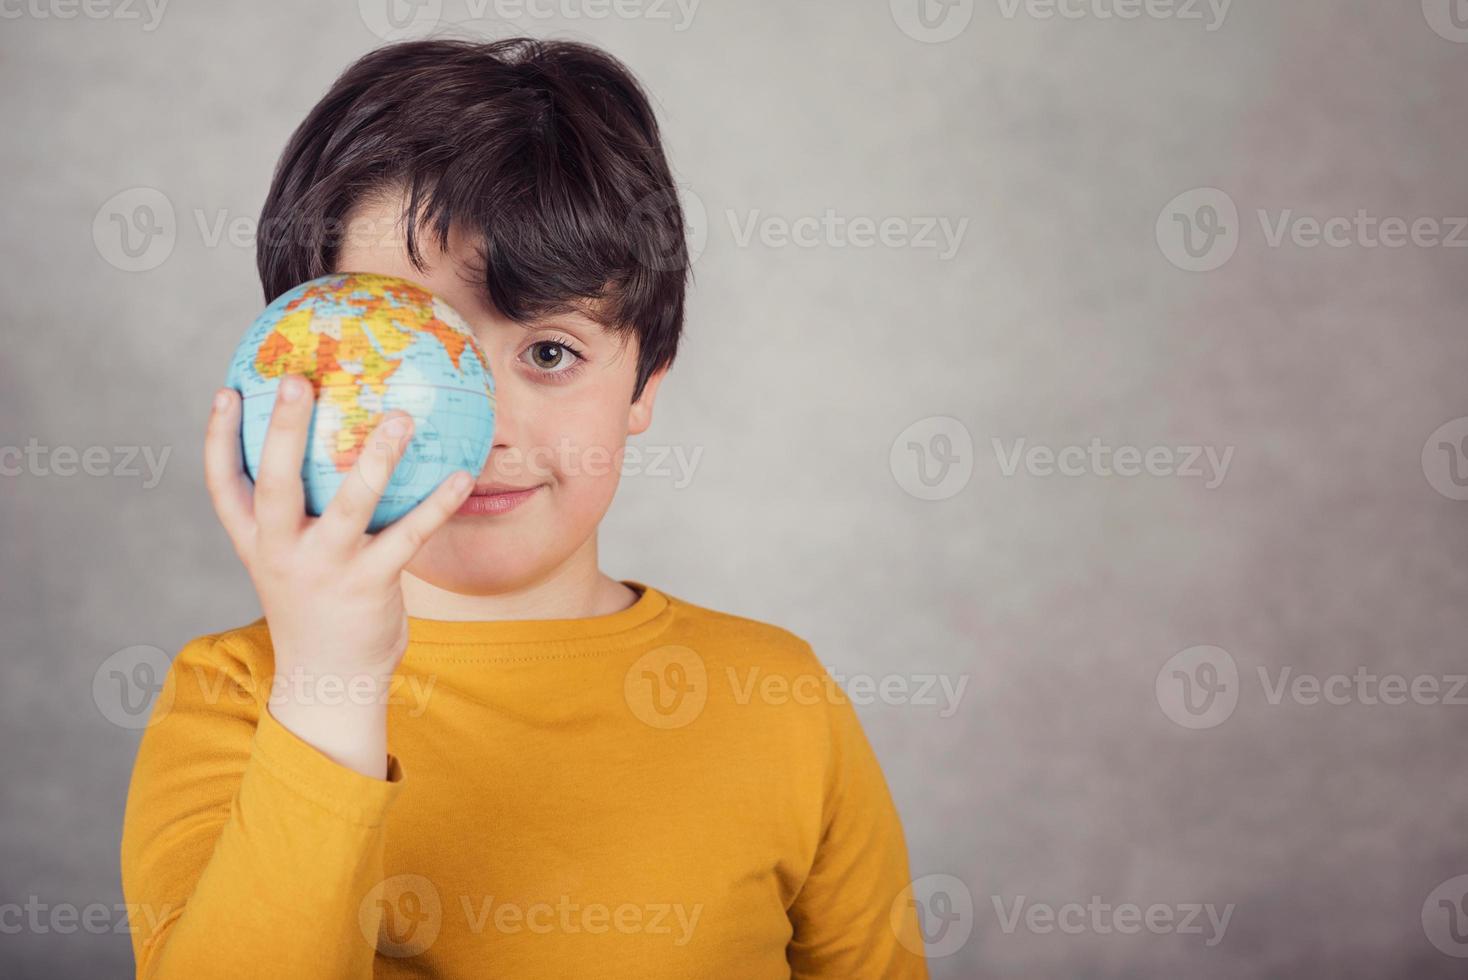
(546, 152)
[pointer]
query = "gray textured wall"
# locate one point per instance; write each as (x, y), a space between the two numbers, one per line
(1082, 759)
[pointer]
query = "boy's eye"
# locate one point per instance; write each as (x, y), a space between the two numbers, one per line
(551, 356)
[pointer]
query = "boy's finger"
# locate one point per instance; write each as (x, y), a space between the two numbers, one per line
(280, 497)
(224, 475)
(346, 518)
(397, 544)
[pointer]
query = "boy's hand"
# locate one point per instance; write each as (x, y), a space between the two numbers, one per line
(331, 593)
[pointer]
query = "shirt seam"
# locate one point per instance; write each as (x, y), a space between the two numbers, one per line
(571, 648)
(293, 781)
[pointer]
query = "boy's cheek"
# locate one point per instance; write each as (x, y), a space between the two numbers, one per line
(577, 504)
(583, 498)
(580, 442)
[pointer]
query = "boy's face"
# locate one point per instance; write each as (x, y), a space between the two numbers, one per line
(563, 411)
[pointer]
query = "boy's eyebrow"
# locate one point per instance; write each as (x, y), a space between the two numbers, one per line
(544, 322)
(577, 311)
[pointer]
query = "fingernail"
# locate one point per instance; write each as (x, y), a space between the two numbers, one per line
(463, 480)
(396, 428)
(290, 389)
(221, 401)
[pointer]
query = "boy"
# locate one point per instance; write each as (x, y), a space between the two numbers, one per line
(455, 747)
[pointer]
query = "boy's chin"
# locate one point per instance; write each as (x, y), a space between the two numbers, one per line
(470, 560)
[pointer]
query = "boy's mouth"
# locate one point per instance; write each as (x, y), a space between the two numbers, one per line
(496, 498)
(489, 488)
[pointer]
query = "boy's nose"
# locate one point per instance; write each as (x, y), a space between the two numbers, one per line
(508, 460)
(506, 424)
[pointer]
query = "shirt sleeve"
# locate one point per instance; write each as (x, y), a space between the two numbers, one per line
(245, 851)
(851, 918)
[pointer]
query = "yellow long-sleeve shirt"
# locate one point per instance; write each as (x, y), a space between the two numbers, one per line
(662, 792)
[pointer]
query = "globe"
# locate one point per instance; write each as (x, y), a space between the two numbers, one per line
(369, 344)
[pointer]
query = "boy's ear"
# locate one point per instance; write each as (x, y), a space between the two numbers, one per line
(639, 416)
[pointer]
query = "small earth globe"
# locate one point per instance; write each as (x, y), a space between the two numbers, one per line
(369, 344)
